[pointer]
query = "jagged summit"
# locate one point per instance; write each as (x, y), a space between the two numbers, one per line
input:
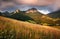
(32, 10)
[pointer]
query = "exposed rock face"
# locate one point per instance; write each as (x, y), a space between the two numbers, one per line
(17, 11)
(32, 10)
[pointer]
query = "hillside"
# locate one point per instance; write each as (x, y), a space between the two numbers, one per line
(55, 14)
(13, 29)
(36, 16)
(41, 18)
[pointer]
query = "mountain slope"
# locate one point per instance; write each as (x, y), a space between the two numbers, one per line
(41, 18)
(55, 14)
(36, 16)
(13, 29)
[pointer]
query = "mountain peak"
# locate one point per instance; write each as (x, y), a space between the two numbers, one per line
(32, 10)
(17, 11)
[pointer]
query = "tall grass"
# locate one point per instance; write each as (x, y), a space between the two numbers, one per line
(13, 29)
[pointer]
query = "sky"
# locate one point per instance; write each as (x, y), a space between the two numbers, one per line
(44, 6)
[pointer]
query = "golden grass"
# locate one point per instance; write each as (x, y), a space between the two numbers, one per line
(13, 29)
(57, 27)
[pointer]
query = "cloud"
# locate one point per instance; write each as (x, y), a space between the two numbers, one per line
(51, 4)
(56, 5)
(35, 2)
(6, 3)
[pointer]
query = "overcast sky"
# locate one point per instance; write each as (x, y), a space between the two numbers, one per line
(11, 5)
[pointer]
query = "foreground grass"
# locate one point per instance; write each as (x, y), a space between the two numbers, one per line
(57, 27)
(13, 29)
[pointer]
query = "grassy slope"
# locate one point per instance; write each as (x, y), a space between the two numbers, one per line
(13, 29)
(40, 18)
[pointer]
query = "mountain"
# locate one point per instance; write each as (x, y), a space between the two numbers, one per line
(39, 18)
(27, 15)
(21, 16)
(6, 14)
(55, 14)
(33, 16)
(14, 29)
(32, 10)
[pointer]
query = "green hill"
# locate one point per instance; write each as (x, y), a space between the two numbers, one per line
(13, 29)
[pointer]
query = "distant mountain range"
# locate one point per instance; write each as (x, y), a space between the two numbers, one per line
(34, 16)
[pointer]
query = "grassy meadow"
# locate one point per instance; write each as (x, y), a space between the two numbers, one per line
(13, 29)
